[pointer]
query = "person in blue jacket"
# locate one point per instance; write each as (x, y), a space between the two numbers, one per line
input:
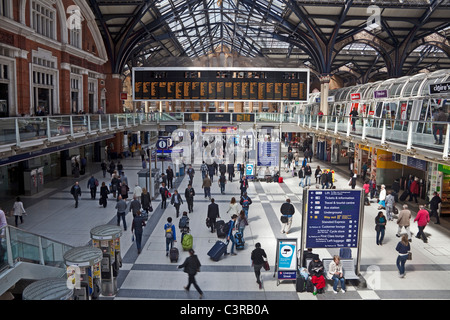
(171, 237)
(230, 236)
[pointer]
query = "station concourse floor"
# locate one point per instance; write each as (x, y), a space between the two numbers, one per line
(151, 275)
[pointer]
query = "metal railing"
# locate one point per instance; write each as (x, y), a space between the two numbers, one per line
(22, 131)
(19, 245)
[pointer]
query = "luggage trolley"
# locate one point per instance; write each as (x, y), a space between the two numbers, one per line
(107, 238)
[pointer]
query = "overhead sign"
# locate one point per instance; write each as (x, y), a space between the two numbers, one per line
(379, 94)
(164, 143)
(333, 218)
(440, 88)
(286, 263)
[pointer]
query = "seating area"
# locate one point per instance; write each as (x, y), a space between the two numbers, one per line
(348, 265)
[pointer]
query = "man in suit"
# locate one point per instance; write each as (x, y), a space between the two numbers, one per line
(213, 214)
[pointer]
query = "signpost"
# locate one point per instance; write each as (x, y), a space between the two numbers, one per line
(332, 218)
(286, 260)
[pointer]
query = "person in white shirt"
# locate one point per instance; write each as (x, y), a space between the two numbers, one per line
(18, 210)
(336, 272)
(234, 207)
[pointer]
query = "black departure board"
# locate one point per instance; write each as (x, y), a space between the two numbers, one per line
(224, 84)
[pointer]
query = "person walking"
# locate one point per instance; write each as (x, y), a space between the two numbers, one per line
(206, 186)
(230, 236)
(124, 190)
(18, 211)
(380, 227)
(414, 190)
(135, 206)
(191, 266)
(318, 174)
(204, 169)
(104, 191)
(353, 180)
(403, 248)
(287, 210)
(422, 219)
(76, 193)
(191, 173)
(382, 198)
(403, 221)
(372, 187)
(324, 179)
(115, 183)
(245, 202)
(234, 207)
(137, 191)
(230, 170)
(213, 214)
(301, 176)
(137, 227)
(92, 185)
(170, 235)
(353, 117)
(104, 167)
(164, 192)
(189, 194)
(176, 201)
(242, 222)
(308, 173)
(258, 257)
(222, 183)
(440, 117)
(243, 185)
(390, 204)
(434, 206)
(121, 207)
(336, 272)
(146, 201)
(170, 175)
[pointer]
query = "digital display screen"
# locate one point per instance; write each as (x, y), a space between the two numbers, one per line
(260, 84)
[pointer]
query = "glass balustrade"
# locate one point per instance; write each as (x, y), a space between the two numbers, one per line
(19, 245)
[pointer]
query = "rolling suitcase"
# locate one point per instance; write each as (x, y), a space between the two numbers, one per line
(404, 195)
(217, 250)
(239, 238)
(187, 242)
(300, 283)
(174, 254)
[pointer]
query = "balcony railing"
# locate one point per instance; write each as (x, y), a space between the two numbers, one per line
(24, 131)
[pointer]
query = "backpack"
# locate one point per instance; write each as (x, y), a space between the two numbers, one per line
(184, 222)
(169, 232)
(245, 202)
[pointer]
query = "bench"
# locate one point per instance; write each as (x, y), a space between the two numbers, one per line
(348, 267)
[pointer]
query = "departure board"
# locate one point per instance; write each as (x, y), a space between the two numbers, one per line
(224, 84)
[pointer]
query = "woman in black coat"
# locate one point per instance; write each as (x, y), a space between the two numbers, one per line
(104, 191)
(146, 201)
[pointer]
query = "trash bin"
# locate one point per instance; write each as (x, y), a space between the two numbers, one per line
(48, 289)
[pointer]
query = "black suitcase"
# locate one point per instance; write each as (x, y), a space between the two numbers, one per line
(404, 195)
(300, 283)
(174, 254)
(218, 250)
(221, 229)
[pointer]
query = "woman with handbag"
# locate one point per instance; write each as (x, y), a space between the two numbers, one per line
(146, 201)
(259, 258)
(403, 248)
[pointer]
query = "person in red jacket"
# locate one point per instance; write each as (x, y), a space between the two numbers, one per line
(422, 218)
(414, 190)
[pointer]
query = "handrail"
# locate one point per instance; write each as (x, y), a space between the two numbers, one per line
(16, 131)
(20, 245)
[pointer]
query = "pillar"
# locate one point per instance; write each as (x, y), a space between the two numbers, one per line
(324, 88)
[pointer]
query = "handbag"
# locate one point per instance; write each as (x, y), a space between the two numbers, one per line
(409, 255)
(266, 265)
(284, 219)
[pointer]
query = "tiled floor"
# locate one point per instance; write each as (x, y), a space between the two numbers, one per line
(150, 275)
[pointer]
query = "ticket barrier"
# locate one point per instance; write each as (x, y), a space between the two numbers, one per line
(107, 239)
(83, 272)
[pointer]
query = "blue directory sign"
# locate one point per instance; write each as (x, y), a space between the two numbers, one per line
(333, 218)
(268, 154)
(286, 259)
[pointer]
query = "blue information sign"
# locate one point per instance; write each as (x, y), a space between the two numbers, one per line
(333, 218)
